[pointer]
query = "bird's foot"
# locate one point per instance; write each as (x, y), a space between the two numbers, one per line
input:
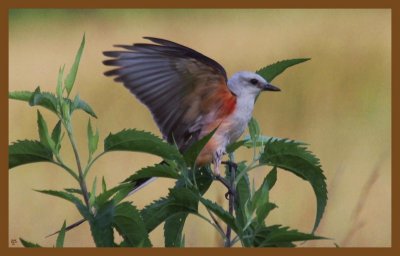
(232, 168)
(230, 164)
(226, 184)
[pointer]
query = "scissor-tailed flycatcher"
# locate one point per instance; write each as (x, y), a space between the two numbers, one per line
(188, 94)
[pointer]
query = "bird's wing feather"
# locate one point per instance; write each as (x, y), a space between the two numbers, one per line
(182, 88)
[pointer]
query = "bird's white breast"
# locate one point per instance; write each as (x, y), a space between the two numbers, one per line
(235, 124)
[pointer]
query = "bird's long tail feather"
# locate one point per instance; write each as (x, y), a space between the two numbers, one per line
(141, 184)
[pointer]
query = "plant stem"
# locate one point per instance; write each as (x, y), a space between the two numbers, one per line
(215, 221)
(232, 193)
(250, 167)
(82, 182)
(69, 170)
(235, 240)
(87, 168)
(224, 182)
(74, 225)
(211, 223)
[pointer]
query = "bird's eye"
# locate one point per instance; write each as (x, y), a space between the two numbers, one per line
(254, 81)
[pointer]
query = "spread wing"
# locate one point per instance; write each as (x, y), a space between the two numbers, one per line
(183, 89)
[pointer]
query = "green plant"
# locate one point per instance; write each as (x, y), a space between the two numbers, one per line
(105, 211)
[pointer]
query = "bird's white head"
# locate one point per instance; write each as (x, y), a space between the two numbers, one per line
(245, 83)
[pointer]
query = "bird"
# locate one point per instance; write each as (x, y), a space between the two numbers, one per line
(188, 94)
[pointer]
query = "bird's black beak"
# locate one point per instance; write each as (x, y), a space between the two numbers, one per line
(270, 87)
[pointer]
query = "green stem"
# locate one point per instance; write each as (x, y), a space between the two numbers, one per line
(250, 167)
(81, 178)
(221, 232)
(82, 182)
(90, 163)
(235, 240)
(194, 177)
(69, 170)
(215, 221)
(232, 194)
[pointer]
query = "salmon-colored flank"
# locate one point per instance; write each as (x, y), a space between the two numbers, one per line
(227, 103)
(206, 155)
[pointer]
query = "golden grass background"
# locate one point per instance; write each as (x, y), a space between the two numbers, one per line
(339, 103)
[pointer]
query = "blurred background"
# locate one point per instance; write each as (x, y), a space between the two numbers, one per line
(339, 102)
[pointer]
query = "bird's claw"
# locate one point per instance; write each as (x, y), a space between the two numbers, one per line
(227, 195)
(218, 177)
(226, 184)
(230, 164)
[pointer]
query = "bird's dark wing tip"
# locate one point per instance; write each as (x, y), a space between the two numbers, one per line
(112, 72)
(110, 62)
(112, 54)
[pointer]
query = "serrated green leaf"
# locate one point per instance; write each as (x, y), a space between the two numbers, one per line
(174, 225)
(70, 79)
(92, 197)
(59, 87)
(44, 99)
(101, 225)
(184, 197)
(173, 228)
(73, 190)
(156, 212)
(104, 196)
(44, 135)
(243, 195)
(222, 214)
(28, 244)
(254, 129)
(20, 95)
(103, 185)
(261, 196)
(56, 136)
(263, 212)
(82, 105)
(260, 201)
(273, 70)
(194, 150)
(123, 192)
(294, 157)
(180, 200)
(278, 236)
(26, 151)
(160, 210)
(129, 224)
(75, 103)
(66, 110)
(204, 177)
(248, 142)
(93, 138)
(48, 101)
(158, 170)
(61, 236)
(271, 178)
(69, 197)
(141, 141)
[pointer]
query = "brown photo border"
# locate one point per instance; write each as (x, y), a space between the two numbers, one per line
(6, 5)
